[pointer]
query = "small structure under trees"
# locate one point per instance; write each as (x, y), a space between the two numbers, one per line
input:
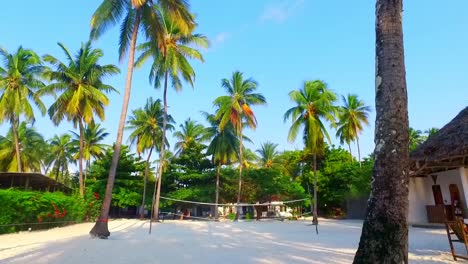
(439, 174)
(30, 181)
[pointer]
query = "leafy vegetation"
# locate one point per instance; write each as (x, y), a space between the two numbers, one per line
(44, 210)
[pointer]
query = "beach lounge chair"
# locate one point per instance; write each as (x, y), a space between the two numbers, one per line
(457, 228)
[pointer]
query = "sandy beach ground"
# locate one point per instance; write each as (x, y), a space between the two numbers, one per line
(210, 242)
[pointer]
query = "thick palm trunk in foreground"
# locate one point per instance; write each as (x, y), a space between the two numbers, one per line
(162, 154)
(17, 145)
(101, 229)
(384, 237)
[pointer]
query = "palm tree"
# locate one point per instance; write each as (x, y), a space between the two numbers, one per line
(190, 131)
(351, 116)
(82, 92)
(146, 126)
(170, 63)
(30, 142)
(61, 150)
(136, 14)
(19, 85)
(431, 131)
(385, 225)
(93, 134)
(314, 105)
(235, 108)
(223, 148)
(268, 154)
(416, 138)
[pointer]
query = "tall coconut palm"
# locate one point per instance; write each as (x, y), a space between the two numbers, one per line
(134, 15)
(416, 138)
(235, 108)
(61, 150)
(93, 135)
(82, 93)
(30, 142)
(190, 131)
(384, 237)
(268, 154)
(314, 105)
(351, 116)
(223, 148)
(146, 126)
(170, 63)
(19, 86)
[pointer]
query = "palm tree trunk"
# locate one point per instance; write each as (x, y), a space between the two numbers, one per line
(358, 151)
(142, 210)
(217, 190)
(101, 229)
(241, 160)
(80, 158)
(14, 126)
(162, 155)
(314, 213)
(384, 237)
(350, 152)
(57, 172)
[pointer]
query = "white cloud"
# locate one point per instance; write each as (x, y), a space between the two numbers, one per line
(220, 38)
(280, 12)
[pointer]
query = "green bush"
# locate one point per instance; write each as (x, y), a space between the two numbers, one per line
(232, 216)
(248, 216)
(44, 209)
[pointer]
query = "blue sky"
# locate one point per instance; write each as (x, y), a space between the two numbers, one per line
(279, 43)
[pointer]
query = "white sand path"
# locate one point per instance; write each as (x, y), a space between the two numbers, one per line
(209, 242)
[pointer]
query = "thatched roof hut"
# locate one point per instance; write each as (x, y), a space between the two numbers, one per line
(445, 150)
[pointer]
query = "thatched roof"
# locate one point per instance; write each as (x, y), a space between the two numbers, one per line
(30, 180)
(445, 150)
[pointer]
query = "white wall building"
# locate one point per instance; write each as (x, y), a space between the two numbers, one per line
(438, 186)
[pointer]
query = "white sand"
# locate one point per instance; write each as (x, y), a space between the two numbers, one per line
(209, 242)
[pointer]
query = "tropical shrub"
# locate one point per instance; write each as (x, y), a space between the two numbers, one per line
(22, 210)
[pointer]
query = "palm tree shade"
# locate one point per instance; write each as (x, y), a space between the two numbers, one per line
(19, 86)
(81, 91)
(351, 117)
(235, 109)
(314, 105)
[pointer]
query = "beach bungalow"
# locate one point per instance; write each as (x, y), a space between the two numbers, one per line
(438, 186)
(31, 181)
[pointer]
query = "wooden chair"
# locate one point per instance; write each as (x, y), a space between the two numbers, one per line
(457, 228)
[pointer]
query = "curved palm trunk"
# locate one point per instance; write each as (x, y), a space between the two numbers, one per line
(358, 151)
(14, 126)
(384, 237)
(241, 159)
(142, 210)
(314, 212)
(217, 190)
(80, 159)
(162, 156)
(101, 229)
